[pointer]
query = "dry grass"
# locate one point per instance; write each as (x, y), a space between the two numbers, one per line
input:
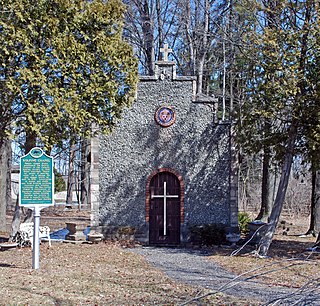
(107, 274)
(290, 264)
(85, 274)
(91, 274)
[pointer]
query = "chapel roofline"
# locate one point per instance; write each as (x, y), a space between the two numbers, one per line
(166, 70)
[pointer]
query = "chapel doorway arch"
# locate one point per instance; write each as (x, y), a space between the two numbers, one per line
(164, 207)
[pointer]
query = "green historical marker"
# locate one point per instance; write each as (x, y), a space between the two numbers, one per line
(36, 190)
(36, 179)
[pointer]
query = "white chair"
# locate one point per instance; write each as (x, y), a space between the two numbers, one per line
(26, 231)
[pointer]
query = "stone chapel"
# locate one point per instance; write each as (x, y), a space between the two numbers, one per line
(168, 165)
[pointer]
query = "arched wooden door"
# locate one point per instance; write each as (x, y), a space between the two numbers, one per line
(164, 215)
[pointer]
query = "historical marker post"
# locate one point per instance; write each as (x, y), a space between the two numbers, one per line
(36, 190)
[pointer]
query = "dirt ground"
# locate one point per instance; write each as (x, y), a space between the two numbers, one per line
(291, 263)
(89, 274)
(106, 274)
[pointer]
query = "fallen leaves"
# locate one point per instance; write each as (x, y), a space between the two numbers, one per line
(97, 274)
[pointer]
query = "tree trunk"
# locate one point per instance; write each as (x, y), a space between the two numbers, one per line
(8, 183)
(28, 215)
(191, 68)
(266, 187)
(160, 27)
(147, 29)
(71, 180)
(203, 48)
(317, 243)
(85, 171)
(314, 227)
(269, 230)
(224, 75)
(31, 141)
(15, 220)
(4, 168)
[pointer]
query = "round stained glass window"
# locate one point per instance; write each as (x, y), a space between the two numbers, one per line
(165, 116)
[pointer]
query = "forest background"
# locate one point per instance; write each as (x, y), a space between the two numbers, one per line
(69, 65)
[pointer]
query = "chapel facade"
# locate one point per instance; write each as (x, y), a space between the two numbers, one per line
(167, 167)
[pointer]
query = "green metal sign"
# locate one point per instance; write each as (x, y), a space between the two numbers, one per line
(36, 179)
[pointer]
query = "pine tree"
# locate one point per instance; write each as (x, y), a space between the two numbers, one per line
(64, 67)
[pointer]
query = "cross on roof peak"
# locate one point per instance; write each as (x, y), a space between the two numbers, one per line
(165, 50)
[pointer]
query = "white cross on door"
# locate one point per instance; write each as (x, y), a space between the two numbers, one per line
(164, 196)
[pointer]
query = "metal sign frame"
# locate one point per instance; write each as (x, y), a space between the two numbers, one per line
(36, 186)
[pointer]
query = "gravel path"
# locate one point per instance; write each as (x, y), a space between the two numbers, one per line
(193, 268)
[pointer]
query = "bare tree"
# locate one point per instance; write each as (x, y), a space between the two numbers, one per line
(5, 180)
(71, 174)
(196, 19)
(314, 226)
(269, 230)
(140, 32)
(85, 171)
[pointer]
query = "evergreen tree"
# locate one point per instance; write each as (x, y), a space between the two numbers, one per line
(280, 89)
(64, 66)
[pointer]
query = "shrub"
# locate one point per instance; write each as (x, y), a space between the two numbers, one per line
(59, 183)
(126, 230)
(209, 234)
(243, 219)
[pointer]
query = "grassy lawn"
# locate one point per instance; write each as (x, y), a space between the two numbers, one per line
(69, 274)
(98, 274)
(108, 274)
(290, 263)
